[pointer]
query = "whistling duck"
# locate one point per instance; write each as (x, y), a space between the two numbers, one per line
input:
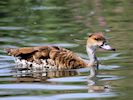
(55, 57)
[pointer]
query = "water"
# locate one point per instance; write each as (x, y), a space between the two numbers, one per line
(66, 23)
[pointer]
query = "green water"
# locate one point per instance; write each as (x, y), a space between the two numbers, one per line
(67, 23)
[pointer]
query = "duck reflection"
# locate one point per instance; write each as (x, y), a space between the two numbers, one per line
(28, 74)
(24, 74)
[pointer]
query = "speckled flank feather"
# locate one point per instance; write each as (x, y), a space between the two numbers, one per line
(51, 56)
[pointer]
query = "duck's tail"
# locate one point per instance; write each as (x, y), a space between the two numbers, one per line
(10, 51)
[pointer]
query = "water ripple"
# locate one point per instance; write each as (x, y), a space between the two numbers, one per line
(84, 95)
(70, 45)
(112, 56)
(64, 96)
(69, 79)
(12, 28)
(23, 98)
(109, 77)
(42, 87)
(47, 8)
(109, 67)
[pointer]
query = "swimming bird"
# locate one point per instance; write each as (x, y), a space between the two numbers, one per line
(54, 57)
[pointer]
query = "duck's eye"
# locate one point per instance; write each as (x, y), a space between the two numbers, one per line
(96, 39)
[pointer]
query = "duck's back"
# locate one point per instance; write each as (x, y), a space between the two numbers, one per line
(50, 56)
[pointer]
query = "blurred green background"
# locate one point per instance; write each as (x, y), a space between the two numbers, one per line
(67, 23)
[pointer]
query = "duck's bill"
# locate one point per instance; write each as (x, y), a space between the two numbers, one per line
(107, 47)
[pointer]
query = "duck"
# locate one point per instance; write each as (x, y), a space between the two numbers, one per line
(59, 58)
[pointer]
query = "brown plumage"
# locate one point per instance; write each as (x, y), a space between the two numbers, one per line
(62, 58)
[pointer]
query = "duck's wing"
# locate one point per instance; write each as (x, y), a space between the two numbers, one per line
(35, 52)
(19, 51)
(63, 58)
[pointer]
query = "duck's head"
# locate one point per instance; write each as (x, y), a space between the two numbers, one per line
(98, 40)
(94, 41)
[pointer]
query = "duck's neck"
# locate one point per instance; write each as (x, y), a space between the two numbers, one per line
(91, 54)
(92, 60)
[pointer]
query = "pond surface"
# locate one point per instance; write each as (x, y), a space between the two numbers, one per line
(67, 23)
